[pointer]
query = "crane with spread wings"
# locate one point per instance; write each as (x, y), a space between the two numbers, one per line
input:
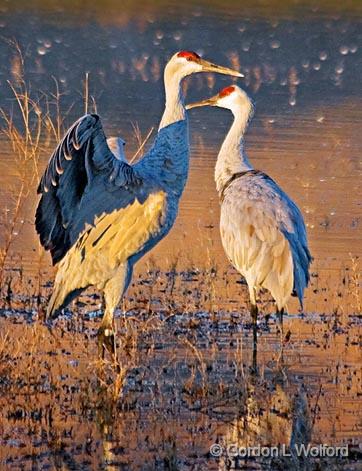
(98, 215)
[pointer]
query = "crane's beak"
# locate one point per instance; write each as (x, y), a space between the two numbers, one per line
(210, 67)
(208, 102)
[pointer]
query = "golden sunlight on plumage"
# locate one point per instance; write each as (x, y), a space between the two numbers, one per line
(262, 229)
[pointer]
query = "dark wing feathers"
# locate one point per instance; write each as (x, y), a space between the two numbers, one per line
(82, 154)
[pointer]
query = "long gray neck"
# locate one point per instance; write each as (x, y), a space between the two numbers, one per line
(174, 105)
(232, 158)
(167, 162)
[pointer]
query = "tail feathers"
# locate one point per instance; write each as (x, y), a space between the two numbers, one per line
(59, 300)
(301, 263)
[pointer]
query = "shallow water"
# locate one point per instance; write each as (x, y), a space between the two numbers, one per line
(302, 65)
(187, 387)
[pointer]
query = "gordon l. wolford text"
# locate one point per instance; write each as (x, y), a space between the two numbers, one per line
(308, 450)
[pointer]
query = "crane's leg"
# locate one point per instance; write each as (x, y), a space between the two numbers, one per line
(106, 334)
(280, 313)
(113, 293)
(254, 317)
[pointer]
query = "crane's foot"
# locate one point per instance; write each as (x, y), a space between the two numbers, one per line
(106, 341)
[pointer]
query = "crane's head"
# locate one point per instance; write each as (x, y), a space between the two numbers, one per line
(116, 146)
(185, 63)
(231, 97)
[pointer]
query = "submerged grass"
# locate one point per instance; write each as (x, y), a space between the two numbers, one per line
(177, 391)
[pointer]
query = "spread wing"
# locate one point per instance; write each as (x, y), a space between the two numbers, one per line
(81, 157)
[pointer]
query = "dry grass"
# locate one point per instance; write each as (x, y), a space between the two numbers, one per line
(355, 283)
(25, 143)
(29, 127)
(7, 355)
(141, 142)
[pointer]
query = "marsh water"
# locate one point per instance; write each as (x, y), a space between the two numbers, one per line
(187, 383)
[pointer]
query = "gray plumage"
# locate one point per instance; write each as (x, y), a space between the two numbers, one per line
(264, 236)
(262, 229)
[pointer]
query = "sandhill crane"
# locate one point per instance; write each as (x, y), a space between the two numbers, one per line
(262, 229)
(98, 215)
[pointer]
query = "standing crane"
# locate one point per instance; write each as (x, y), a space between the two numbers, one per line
(262, 229)
(98, 215)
